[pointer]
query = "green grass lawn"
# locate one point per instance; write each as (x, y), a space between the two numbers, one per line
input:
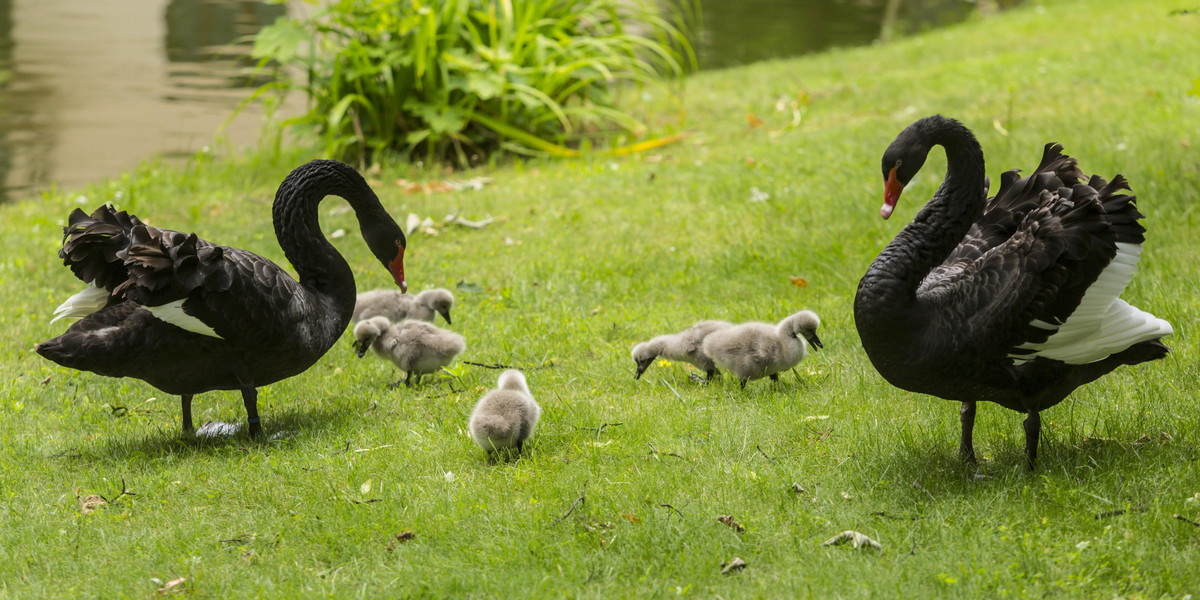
(588, 257)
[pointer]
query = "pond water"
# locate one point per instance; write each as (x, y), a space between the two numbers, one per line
(88, 88)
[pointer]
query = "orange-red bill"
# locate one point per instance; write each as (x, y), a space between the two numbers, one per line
(891, 194)
(397, 269)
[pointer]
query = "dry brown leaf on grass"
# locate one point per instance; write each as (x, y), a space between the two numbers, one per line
(400, 538)
(89, 504)
(856, 539)
(632, 518)
(731, 522)
(799, 282)
(736, 564)
(172, 587)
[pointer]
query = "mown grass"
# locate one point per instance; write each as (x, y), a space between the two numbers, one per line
(588, 257)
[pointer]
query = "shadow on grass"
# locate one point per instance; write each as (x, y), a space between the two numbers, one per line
(280, 430)
(936, 468)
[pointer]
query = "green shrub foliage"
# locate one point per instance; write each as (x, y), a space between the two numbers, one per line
(460, 78)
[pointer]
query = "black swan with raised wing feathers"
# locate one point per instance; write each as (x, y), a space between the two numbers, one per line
(188, 316)
(1013, 299)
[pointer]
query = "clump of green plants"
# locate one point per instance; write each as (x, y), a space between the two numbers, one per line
(459, 79)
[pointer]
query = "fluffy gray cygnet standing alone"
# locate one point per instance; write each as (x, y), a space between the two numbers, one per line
(416, 347)
(398, 307)
(505, 417)
(756, 350)
(685, 346)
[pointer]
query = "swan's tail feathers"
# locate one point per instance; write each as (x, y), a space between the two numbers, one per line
(166, 265)
(91, 245)
(90, 300)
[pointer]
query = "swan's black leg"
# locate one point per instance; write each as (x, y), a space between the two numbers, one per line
(743, 383)
(966, 448)
(774, 376)
(1033, 431)
(250, 399)
(185, 402)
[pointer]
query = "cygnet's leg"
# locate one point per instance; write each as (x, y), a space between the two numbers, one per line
(744, 380)
(710, 373)
(774, 376)
(185, 402)
(250, 399)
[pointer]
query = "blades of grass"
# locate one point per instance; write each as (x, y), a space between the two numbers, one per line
(530, 140)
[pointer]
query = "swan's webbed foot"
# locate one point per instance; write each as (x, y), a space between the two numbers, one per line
(250, 399)
(966, 447)
(1033, 432)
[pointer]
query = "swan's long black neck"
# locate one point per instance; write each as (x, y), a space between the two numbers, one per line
(320, 267)
(941, 225)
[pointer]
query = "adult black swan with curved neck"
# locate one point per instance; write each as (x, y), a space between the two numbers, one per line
(1013, 299)
(188, 316)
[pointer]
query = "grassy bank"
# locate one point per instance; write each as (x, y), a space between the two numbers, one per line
(586, 258)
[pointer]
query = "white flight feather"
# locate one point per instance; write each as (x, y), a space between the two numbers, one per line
(1102, 324)
(173, 313)
(90, 300)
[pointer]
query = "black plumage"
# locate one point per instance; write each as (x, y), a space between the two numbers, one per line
(188, 316)
(1010, 299)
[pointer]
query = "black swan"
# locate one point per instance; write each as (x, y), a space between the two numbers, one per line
(188, 316)
(1013, 299)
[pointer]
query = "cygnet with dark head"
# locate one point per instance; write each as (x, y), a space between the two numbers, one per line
(505, 417)
(757, 350)
(685, 346)
(416, 347)
(398, 307)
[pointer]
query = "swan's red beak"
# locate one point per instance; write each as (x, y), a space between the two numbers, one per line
(891, 194)
(397, 269)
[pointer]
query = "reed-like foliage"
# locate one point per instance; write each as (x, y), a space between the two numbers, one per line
(461, 78)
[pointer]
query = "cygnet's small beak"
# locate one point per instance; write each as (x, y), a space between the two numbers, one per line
(641, 368)
(815, 342)
(360, 348)
(446, 315)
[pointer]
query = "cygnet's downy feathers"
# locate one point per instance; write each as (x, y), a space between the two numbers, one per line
(685, 346)
(757, 350)
(398, 307)
(416, 347)
(505, 417)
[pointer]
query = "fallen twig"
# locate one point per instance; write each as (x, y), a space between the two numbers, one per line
(760, 451)
(124, 492)
(503, 366)
(888, 515)
(1119, 512)
(1186, 520)
(654, 450)
(672, 508)
(601, 427)
(580, 500)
